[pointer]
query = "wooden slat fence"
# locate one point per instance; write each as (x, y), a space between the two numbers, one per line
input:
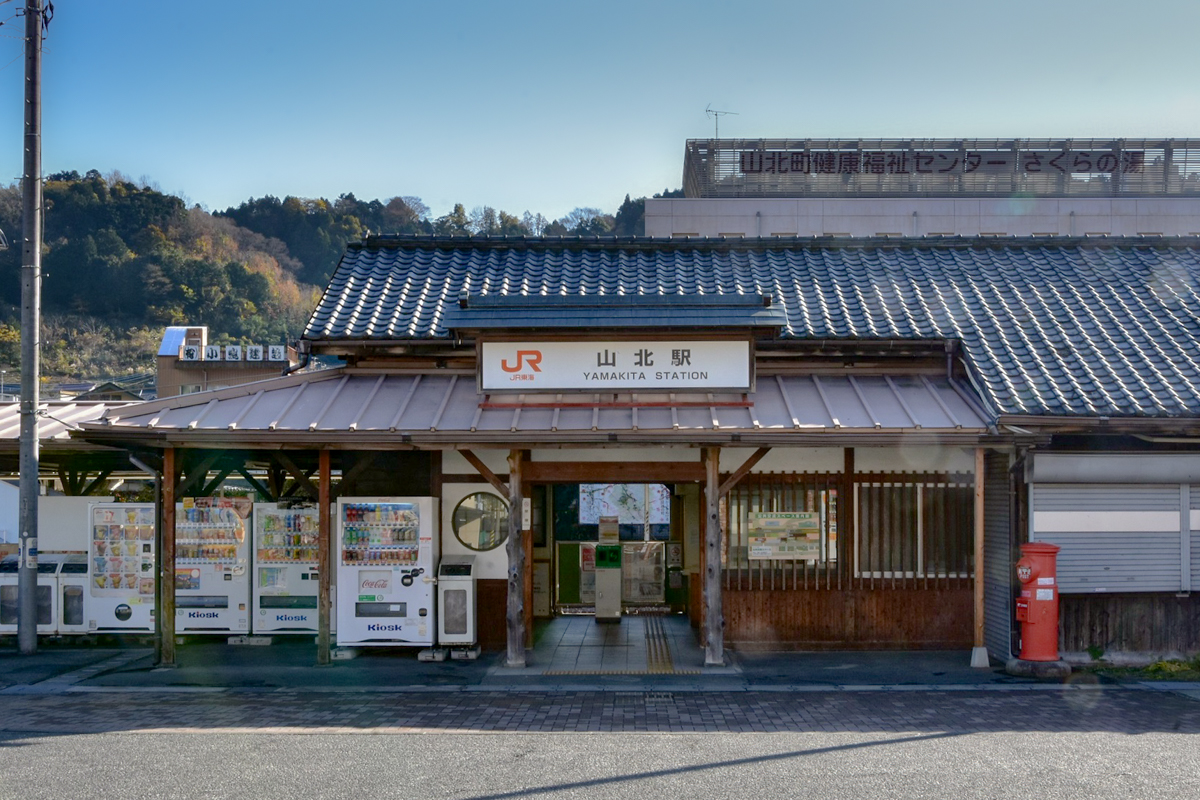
(888, 531)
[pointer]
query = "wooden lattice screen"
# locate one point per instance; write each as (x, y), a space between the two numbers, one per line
(902, 530)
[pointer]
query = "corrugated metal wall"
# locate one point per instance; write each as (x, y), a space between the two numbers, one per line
(999, 549)
(1195, 536)
(1114, 538)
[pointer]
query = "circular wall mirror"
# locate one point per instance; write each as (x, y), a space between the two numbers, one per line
(480, 521)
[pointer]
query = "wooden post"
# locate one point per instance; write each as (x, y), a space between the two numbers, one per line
(166, 575)
(846, 533)
(979, 654)
(516, 565)
(527, 541)
(324, 556)
(714, 619)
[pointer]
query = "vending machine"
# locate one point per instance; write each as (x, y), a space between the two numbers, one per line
(45, 595)
(212, 565)
(387, 553)
(285, 568)
(121, 592)
(72, 593)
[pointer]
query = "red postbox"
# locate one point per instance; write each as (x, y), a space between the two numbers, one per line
(1037, 607)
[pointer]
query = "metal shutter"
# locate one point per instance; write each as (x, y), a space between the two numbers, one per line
(1194, 539)
(1114, 537)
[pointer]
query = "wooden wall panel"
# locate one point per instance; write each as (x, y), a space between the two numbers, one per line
(911, 619)
(1136, 623)
(491, 613)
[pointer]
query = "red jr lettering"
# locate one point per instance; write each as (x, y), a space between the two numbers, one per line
(530, 357)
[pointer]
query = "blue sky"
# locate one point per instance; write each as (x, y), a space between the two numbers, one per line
(546, 106)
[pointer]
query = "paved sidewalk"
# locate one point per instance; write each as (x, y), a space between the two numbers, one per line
(642, 654)
(286, 711)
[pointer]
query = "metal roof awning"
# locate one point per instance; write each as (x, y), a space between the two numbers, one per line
(382, 408)
(56, 420)
(56, 447)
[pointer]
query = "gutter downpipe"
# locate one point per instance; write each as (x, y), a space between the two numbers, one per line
(305, 350)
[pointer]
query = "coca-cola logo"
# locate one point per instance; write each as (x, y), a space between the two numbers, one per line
(373, 581)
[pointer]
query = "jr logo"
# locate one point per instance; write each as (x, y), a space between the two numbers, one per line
(530, 357)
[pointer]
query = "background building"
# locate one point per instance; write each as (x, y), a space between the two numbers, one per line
(187, 363)
(933, 187)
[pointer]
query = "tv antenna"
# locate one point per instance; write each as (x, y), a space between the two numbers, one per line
(716, 115)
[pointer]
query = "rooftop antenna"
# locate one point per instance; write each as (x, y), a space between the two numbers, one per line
(716, 115)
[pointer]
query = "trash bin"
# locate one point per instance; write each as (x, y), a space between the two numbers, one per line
(456, 601)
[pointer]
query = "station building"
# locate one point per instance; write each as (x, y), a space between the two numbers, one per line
(925, 403)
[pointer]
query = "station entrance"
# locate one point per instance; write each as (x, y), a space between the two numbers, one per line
(643, 521)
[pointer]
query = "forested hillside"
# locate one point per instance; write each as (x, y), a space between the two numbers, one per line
(316, 231)
(122, 260)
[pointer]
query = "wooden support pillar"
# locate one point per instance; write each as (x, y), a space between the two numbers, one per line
(846, 533)
(979, 654)
(714, 618)
(527, 538)
(516, 565)
(166, 575)
(324, 556)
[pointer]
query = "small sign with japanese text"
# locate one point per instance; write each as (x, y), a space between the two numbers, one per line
(792, 536)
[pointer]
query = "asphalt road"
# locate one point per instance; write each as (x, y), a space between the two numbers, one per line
(603, 766)
(847, 745)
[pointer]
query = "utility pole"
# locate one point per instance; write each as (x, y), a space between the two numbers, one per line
(31, 323)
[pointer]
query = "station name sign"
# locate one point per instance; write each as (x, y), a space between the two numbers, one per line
(621, 365)
(940, 162)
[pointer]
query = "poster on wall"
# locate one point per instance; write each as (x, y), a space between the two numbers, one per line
(587, 573)
(790, 536)
(610, 530)
(629, 503)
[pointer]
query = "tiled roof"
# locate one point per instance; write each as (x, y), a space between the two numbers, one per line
(507, 312)
(1048, 327)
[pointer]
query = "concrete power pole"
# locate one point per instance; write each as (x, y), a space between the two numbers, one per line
(31, 321)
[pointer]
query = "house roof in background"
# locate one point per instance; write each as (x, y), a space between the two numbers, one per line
(56, 420)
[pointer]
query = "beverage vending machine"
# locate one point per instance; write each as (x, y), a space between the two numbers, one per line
(212, 569)
(285, 568)
(121, 594)
(387, 554)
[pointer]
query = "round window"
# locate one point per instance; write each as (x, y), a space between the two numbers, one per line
(481, 521)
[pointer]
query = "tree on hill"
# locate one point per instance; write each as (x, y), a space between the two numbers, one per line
(122, 259)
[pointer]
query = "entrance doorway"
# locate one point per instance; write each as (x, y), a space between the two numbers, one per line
(646, 521)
